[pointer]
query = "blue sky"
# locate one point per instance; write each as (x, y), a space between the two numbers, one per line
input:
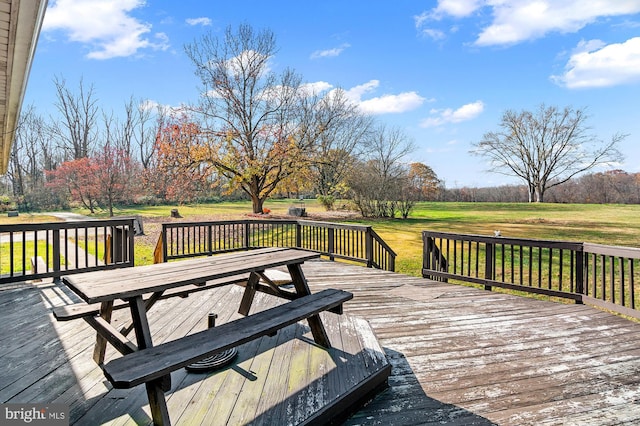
(444, 71)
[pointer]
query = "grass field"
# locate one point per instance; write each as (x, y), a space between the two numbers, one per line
(604, 224)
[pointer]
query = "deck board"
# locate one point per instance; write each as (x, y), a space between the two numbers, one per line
(496, 358)
(459, 356)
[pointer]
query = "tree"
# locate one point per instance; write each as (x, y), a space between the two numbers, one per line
(115, 176)
(78, 177)
(76, 131)
(261, 125)
(179, 174)
(33, 154)
(546, 148)
(423, 181)
(378, 183)
(147, 128)
(26, 162)
(337, 146)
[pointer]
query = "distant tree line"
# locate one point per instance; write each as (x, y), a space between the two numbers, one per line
(611, 187)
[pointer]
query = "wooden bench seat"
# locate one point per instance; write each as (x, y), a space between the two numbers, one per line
(153, 363)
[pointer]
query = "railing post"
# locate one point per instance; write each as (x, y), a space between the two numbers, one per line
(247, 227)
(426, 254)
(56, 255)
(488, 263)
(298, 235)
(131, 238)
(165, 248)
(580, 272)
(209, 240)
(368, 243)
(330, 243)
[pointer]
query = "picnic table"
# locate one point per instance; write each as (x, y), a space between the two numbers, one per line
(139, 288)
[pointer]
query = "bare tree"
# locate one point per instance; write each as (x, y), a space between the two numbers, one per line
(32, 153)
(76, 131)
(378, 183)
(149, 120)
(546, 148)
(346, 132)
(261, 124)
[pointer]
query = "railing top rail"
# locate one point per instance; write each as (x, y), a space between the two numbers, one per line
(616, 251)
(47, 226)
(383, 243)
(357, 227)
(335, 225)
(567, 245)
(226, 222)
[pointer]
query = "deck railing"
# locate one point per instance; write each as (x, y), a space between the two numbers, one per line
(601, 275)
(356, 243)
(44, 250)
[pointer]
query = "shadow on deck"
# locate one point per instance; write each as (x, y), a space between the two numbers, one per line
(458, 356)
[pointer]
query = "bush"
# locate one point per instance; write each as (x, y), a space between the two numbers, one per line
(327, 201)
(44, 199)
(6, 203)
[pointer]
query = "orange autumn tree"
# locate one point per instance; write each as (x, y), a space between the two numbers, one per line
(179, 174)
(423, 181)
(263, 127)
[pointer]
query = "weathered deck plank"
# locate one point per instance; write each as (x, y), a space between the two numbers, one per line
(497, 358)
(459, 356)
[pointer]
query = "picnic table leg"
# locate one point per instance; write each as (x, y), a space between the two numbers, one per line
(249, 294)
(302, 289)
(155, 388)
(147, 305)
(100, 348)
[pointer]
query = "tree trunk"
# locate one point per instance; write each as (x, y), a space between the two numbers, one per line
(257, 203)
(539, 194)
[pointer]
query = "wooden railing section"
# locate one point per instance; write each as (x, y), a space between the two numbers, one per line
(601, 275)
(356, 243)
(49, 250)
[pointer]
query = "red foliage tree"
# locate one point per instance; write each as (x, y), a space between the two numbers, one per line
(104, 180)
(78, 178)
(116, 177)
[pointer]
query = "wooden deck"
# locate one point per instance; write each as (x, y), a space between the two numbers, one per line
(459, 356)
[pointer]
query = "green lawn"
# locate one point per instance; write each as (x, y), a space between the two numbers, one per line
(22, 254)
(604, 224)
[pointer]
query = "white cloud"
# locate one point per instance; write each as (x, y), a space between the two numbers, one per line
(384, 104)
(248, 60)
(464, 113)
(594, 64)
(402, 102)
(456, 8)
(105, 26)
(336, 51)
(357, 92)
(316, 87)
(199, 21)
(515, 21)
(433, 34)
(157, 108)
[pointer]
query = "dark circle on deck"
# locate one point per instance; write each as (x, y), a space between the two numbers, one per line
(214, 362)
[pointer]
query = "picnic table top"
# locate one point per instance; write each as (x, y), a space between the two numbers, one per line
(107, 285)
